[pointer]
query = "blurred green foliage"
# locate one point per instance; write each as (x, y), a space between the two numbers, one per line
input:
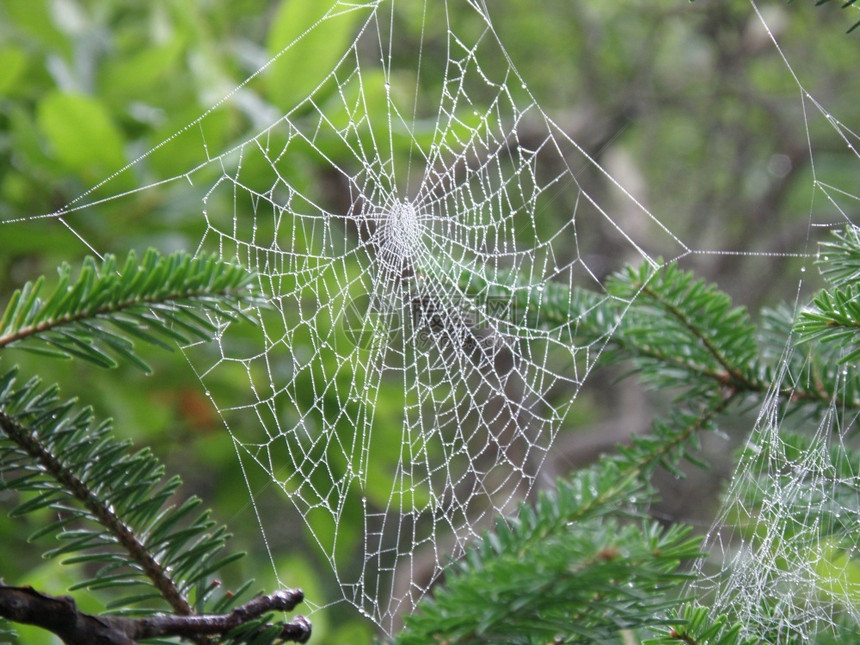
(688, 105)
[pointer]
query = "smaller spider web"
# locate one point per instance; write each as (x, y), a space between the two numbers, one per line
(788, 529)
(783, 551)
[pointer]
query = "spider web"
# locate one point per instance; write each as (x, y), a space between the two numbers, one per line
(378, 353)
(388, 387)
(788, 527)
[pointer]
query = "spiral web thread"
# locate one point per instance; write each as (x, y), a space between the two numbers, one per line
(373, 352)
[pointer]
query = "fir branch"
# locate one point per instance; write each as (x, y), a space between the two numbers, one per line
(96, 316)
(839, 258)
(685, 324)
(693, 625)
(662, 317)
(57, 454)
(580, 585)
(679, 331)
(113, 505)
(547, 568)
(61, 616)
(834, 319)
(85, 491)
(577, 315)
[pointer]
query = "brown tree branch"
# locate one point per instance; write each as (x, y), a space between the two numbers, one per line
(61, 616)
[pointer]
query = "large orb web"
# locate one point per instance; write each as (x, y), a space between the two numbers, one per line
(412, 219)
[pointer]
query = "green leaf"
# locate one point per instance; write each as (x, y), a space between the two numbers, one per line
(82, 134)
(13, 62)
(128, 77)
(308, 37)
(33, 17)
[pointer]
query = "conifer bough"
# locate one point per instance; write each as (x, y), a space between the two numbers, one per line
(112, 504)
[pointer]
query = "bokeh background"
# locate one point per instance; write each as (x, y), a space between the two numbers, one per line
(688, 105)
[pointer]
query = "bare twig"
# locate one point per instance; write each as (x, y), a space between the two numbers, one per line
(61, 616)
